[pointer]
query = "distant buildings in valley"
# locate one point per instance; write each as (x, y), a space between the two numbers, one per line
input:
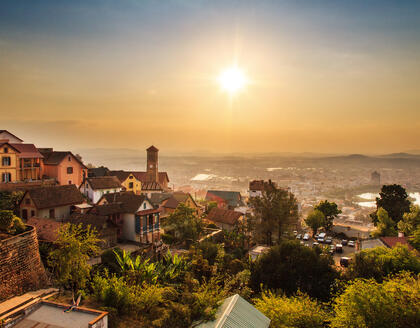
(375, 178)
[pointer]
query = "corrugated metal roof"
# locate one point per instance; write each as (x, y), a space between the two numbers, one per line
(235, 312)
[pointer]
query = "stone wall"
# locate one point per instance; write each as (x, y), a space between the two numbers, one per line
(21, 268)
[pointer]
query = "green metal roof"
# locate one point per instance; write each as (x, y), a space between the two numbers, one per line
(235, 312)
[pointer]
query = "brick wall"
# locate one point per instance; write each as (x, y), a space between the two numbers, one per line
(21, 268)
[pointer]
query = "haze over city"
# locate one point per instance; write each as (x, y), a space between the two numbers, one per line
(318, 76)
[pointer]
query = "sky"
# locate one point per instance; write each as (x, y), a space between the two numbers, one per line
(323, 76)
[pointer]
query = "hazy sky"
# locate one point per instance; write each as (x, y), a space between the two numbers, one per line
(325, 76)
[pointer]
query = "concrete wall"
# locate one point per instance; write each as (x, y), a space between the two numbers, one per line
(21, 268)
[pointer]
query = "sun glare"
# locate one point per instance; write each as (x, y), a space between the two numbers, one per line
(232, 80)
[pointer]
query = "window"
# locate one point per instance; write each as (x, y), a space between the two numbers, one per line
(6, 177)
(32, 213)
(130, 185)
(144, 205)
(5, 161)
(151, 219)
(69, 181)
(52, 213)
(69, 158)
(27, 201)
(69, 170)
(6, 150)
(130, 177)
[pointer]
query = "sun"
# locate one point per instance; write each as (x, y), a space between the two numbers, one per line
(232, 80)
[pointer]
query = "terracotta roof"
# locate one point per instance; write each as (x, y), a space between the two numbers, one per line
(46, 229)
(256, 185)
(232, 198)
(107, 182)
(176, 199)
(157, 198)
(130, 202)
(121, 175)
(6, 142)
(224, 216)
(3, 131)
(107, 209)
(49, 197)
(142, 176)
(56, 157)
(391, 242)
(27, 150)
(100, 222)
(152, 148)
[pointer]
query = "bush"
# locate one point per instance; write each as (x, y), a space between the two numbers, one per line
(212, 226)
(167, 238)
(18, 225)
(6, 219)
(109, 261)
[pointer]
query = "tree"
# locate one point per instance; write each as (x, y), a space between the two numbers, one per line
(292, 267)
(394, 200)
(10, 200)
(273, 211)
(6, 219)
(367, 303)
(296, 311)
(330, 211)
(210, 206)
(315, 220)
(184, 224)
(385, 225)
(410, 221)
(415, 238)
(380, 262)
(69, 259)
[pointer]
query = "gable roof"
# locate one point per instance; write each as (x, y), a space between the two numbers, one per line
(107, 209)
(176, 199)
(120, 174)
(27, 150)
(151, 186)
(235, 312)
(142, 176)
(107, 182)
(232, 198)
(391, 242)
(56, 157)
(152, 148)
(46, 229)
(157, 198)
(4, 142)
(130, 202)
(100, 222)
(224, 216)
(98, 172)
(5, 131)
(49, 197)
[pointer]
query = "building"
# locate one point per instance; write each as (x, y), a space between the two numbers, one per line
(56, 202)
(235, 312)
(6, 135)
(256, 188)
(128, 180)
(224, 219)
(140, 220)
(225, 199)
(63, 166)
(19, 162)
(98, 171)
(95, 188)
(169, 205)
(375, 178)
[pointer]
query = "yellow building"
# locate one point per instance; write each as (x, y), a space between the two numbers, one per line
(128, 181)
(8, 163)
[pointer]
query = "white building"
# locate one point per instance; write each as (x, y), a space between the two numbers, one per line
(94, 188)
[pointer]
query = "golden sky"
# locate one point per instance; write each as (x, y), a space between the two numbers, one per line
(323, 76)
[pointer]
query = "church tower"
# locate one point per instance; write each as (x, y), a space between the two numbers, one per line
(152, 164)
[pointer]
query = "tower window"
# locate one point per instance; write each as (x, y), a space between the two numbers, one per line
(69, 170)
(6, 150)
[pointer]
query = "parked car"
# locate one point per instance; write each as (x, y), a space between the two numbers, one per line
(331, 250)
(295, 233)
(315, 244)
(328, 240)
(339, 248)
(351, 243)
(306, 236)
(316, 236)
(322, 235)
(320, 240)
(344, 242)
(345, 261)
(299, 236)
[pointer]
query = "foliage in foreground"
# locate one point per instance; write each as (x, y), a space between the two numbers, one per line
(369, 304)
(290, 312)
(10, 223)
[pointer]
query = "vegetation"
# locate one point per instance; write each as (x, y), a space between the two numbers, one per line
(315, 220)
(10, 223)
(330, 211)
(10, 201)
(410, 226)
(69, 258)
(378, 263)
(290, 312)
(274, 211)
(184, 225)
(292, 267)
(367, 303)
(385, 226)
(394, 200)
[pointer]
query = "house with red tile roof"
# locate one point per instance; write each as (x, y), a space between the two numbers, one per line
(224, 219)
(95, 188)
(391, 242)
(63, 166)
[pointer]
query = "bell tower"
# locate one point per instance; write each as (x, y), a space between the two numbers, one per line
(152, 164)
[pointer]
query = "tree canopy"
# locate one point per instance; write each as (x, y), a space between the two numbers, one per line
(394, 200)
(292, 267)
(315, 220)
(275, 210)
(385, 225)
(330, 211)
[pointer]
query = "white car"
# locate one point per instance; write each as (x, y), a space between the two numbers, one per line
(306, 236)
(351, 243)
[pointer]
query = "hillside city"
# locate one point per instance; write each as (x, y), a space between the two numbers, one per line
(85, 245)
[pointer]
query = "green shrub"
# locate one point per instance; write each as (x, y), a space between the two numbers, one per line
(18, 225)
(109, 260)
(212, 226)
(6, 219)
(167, 238)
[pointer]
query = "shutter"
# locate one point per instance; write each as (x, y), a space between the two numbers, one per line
(137, 223)
(144, 223)
(157, 221)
